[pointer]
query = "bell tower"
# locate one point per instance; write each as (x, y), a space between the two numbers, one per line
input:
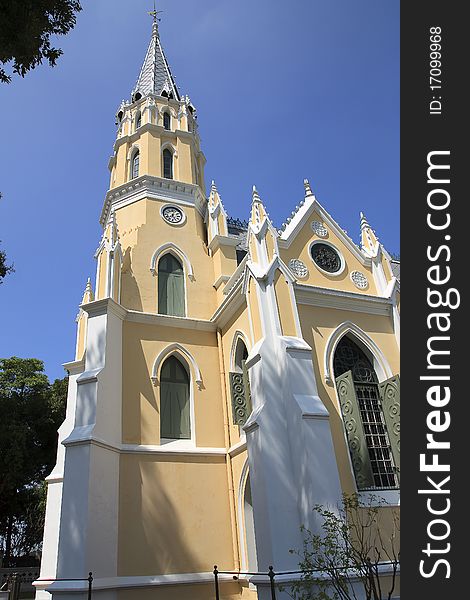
(157, 127)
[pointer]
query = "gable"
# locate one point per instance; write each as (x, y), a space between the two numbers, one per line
(296, 243)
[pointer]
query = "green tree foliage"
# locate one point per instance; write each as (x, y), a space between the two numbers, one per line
(4, 268)
(31, 410)
(354, 556)
(26, 27)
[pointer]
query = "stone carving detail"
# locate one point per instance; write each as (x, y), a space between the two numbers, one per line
(298, 267)
(319, 229)
(359, 280)
(240, 408)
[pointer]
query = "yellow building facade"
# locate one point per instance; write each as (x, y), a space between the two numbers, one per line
(228, 375)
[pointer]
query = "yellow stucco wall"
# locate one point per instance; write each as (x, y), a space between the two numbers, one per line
(142, 230)
(142, 344)
(174, 515)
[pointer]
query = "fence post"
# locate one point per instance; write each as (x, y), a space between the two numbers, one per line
(90, 581)
(271, 575)
(15, 585)
(216, 582)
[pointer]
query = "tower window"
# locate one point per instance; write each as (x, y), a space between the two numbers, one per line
(166, 121)
(135, 165)
(174, 400)
(138, 120)
(371, 428)
(170, 286)
(167, 164)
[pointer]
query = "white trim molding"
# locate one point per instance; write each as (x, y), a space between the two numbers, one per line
(335, 249)
(381, 365)
(172, 248)
(175, 349)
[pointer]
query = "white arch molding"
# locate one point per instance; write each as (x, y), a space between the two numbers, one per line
(177, 350)
(178, 253)
(239, 335)
(381, 364)
(170, 147)
(132, 149)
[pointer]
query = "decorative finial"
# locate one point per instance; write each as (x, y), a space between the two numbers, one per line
(364, 222)
(154, 13)
(255, 195)
(308, 189)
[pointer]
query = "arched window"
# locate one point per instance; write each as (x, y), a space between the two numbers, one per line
(174, 400)
(166, 120)
(167, 164)
(249, 527)
(135, 165)
(370, 412)
(170, 286)
(138, 120)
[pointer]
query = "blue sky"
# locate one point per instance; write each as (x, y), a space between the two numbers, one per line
(283, 90)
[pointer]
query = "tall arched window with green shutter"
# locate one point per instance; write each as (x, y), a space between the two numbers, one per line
(170, 286)
(174, 400)
(371, 414)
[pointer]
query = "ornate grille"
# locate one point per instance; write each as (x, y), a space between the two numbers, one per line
(326, 257)
(349, 357)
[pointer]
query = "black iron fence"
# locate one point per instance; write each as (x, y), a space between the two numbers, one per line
(14, 584)
(270, 573)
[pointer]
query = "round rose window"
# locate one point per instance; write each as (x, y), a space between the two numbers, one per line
(326, 258)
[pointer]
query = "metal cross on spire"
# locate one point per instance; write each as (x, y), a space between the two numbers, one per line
(153, 13)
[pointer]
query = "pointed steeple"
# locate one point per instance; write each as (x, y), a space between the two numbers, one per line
(155, 76)
(369, 240)
(258, 212)
(88, 293)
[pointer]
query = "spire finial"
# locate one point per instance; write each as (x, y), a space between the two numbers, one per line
(308, 189)
(255, 195)
(154, 14)
(364, 222)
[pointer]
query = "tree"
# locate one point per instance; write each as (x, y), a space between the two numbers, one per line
(26, 27)
(354, 556)
(31, 410)
(4, 268)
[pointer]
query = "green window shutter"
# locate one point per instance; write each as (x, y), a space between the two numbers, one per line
(175, 422)
(170, 287)
(354, 431)
(390, 395)
(241, 399)
(174, 411)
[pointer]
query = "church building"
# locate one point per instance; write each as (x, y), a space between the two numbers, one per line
(228, 376)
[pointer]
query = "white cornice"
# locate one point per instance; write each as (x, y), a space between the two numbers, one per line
(234, 300)
(170, 321)
(220, 280)
(222, 240)
(349, 301)
(138, 581)
(153, 188)
(75, 367)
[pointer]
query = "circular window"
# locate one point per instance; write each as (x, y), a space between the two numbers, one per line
(319, 229)
(299, 268)
(173, 215)
(359, 279)
(326, 258)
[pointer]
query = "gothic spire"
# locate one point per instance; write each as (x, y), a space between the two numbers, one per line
(155, 76)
